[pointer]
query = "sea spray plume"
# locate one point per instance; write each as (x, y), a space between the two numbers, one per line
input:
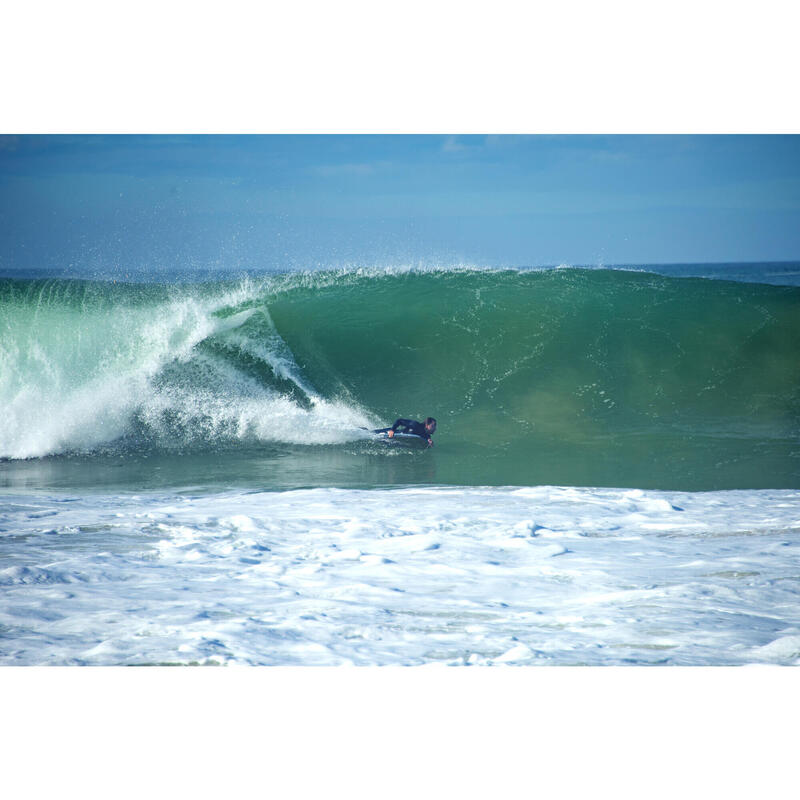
(79, 357)
(84, 364)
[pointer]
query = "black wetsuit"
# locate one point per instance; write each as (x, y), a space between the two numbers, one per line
(409, 426)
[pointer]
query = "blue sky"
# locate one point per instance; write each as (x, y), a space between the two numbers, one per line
(183, 202)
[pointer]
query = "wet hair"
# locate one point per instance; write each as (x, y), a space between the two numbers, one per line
(431, 421)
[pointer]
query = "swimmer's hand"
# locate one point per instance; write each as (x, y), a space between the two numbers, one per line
(390, 433)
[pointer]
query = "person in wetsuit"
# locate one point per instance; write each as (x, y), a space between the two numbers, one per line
(423, 429)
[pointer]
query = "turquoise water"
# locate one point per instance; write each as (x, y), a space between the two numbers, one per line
(585, 377)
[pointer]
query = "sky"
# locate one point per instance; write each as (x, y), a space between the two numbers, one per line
(146, 202)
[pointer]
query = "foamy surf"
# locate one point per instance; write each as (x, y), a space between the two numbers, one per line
(427, 575)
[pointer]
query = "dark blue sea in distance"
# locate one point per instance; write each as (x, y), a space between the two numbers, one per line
(681, 376)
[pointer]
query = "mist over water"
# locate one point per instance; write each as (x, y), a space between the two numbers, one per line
(567, 377)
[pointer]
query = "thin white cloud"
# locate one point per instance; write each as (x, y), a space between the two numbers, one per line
(350, 169)
(452, 144)
(507, 139)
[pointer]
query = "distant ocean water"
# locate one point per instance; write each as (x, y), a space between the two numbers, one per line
(159, 428)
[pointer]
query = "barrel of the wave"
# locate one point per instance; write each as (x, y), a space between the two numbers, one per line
(589, 377)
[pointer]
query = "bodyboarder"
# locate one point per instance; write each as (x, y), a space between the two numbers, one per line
(423, 429)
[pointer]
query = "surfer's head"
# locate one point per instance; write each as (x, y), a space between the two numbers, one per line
(430, 424)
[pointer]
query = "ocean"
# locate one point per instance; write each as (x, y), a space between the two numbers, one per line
(186, 478)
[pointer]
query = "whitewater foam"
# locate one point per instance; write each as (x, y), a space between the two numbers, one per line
(534, 575)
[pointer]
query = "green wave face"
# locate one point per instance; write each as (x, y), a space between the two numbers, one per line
(574, 376)
(582, 377)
